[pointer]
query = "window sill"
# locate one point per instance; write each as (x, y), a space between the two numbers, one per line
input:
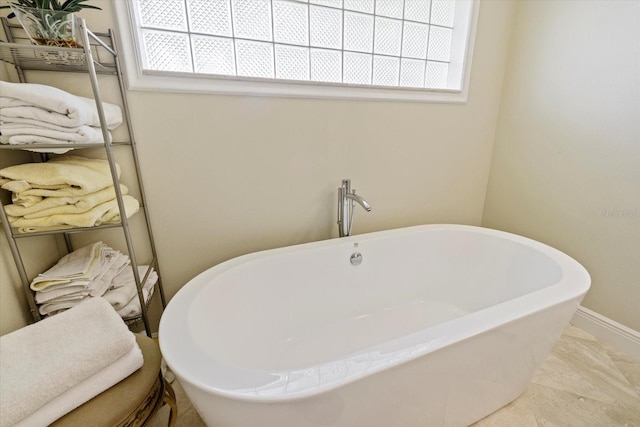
(193, 83)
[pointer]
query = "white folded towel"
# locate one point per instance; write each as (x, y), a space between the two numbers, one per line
(24, 132)
(64, 205)
(104, 213)
(123, 287)
(19, 134)
(41, 361)
(77, 265)
(18, 122)
(86, 390)
(58, 306)
(84, 273)
(91, 268)
(85, 175)
(114, 263)
(133, 309)
(59, 293)
(26, 127)
(53, 105)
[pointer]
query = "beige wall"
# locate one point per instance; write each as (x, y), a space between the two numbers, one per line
(14, 309)
(566, 165)
(228, 175)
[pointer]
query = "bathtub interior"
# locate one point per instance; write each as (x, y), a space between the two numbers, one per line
(298, 309)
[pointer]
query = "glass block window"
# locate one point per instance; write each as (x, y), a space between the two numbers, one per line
(383, 43)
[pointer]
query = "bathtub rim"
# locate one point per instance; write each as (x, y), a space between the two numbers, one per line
(572, 287)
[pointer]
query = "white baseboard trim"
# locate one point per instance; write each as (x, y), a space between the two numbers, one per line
(608, 331)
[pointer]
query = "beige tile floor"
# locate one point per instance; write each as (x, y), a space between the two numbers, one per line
(583, 383)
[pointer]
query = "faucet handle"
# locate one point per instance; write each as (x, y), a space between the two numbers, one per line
(346, 185)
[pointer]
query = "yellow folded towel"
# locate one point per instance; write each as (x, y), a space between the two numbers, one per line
(25, 201)
(60, 191)
(104, 213)
(84, 175)
(64, 205)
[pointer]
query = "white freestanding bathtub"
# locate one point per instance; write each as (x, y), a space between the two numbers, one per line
(439, 325)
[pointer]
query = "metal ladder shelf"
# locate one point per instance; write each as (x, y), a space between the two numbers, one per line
(97, 54)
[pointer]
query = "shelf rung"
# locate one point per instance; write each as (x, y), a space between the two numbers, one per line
(63, 230)
(51, 146)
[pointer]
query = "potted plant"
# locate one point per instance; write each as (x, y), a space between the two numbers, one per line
(48, 22)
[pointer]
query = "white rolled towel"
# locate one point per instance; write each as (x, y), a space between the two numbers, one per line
(53, 105)
(42, 361)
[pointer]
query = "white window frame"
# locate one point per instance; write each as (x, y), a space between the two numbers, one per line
(139, 79)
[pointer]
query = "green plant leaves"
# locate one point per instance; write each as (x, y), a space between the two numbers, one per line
(70, 6)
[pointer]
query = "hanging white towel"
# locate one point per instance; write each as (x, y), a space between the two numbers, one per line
(53, 105)
(44, 360)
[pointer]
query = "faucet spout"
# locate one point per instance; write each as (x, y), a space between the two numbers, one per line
(347, 198)
(365, 205)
